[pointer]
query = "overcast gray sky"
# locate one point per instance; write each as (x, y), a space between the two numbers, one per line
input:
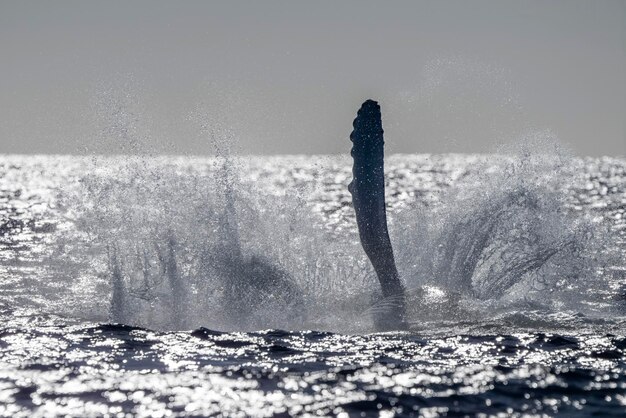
(288, 76)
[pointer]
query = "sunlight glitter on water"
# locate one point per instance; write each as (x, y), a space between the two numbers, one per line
(507, 356)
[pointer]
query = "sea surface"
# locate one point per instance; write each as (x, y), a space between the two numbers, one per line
(109, 307)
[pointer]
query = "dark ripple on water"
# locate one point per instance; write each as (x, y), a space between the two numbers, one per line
(520, 363)
(105, 369)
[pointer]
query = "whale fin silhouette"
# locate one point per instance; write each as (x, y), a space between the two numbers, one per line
(368, 197)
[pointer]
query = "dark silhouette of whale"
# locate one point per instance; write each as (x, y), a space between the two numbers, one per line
(251, 282)
(368, 197)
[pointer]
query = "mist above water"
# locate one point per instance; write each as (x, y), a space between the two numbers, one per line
(245, 243)
(177, 243)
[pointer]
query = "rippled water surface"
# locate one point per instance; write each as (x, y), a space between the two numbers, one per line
(523, 350)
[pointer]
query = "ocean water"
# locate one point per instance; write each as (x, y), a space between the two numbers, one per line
(179, 286)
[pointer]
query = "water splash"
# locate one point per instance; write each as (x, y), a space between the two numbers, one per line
(177, 244)
(507, 237)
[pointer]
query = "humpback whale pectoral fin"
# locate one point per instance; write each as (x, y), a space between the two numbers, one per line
(368, 197)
